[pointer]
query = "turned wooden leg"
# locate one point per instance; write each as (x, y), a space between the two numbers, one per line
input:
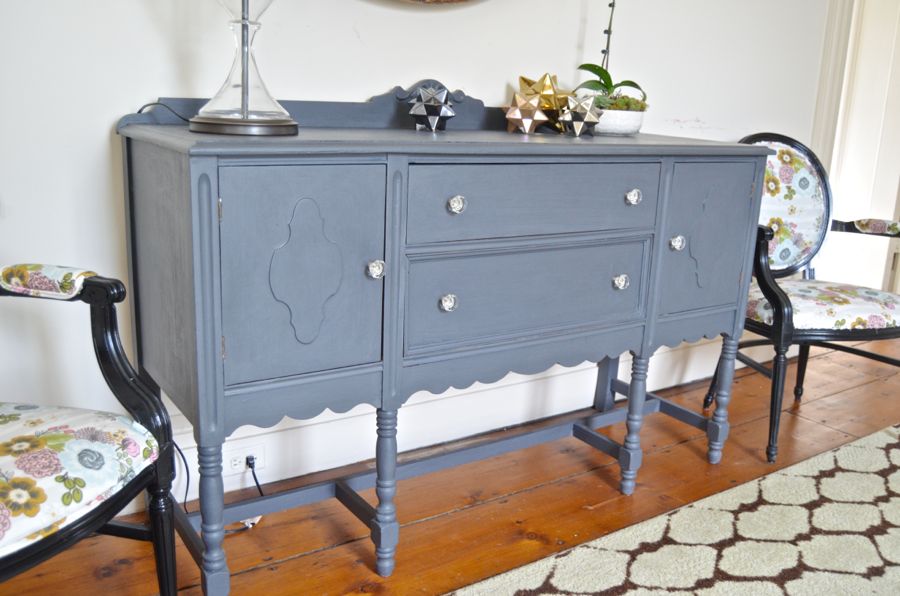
(801, 371)
(216, 579)
(779, 367)
(385, 529)
(162, 531)
(604, 396)
(717, 428)
(630, 454)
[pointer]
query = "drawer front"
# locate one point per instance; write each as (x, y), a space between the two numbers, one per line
(710, 214)
(295, 244)
(502, 201)
(503, 295)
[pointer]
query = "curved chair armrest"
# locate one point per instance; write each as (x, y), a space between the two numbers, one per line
(44, 281)
(139, 396)
(782, 311)
(872, 227)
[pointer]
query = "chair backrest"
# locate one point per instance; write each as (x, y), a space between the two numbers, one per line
(796, 202)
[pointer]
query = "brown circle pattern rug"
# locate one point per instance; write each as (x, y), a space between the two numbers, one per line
(828, 525)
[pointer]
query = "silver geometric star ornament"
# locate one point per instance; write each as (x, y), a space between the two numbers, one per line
(580, 116)
(431, 109)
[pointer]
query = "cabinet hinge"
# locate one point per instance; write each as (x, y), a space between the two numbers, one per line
(223, 347)
(219, 207)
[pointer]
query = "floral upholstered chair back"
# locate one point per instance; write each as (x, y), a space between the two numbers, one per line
(796, 202)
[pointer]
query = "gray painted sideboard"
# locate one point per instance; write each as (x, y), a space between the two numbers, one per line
(361, 261)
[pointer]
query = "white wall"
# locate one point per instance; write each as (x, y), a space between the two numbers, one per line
(716, 69)
(865, 173)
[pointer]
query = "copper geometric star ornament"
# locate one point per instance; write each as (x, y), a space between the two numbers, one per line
(431, 109)
(524, 114)
(552, 98)
(580, 116)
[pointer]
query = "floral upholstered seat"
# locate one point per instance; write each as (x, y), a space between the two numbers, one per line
(57, 464)
(828, 305)
(794, 217)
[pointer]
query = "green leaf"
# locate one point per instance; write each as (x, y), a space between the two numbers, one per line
(79, 482)
(76, 495)
(146, 452)
(67, 499)
(593, 86)
(69, 483)
(599, 72)
(56, 441)
(60, 478)
(633, 85)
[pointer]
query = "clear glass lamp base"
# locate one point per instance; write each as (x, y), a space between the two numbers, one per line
(243, 105)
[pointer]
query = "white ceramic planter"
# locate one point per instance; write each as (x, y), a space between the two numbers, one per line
(619, 122)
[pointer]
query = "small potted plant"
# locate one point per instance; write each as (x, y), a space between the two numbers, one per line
(622, 114)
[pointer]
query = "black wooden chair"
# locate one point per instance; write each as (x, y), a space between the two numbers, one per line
(794, 218)
(66, 472)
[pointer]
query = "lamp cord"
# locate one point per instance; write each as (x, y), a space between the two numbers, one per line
(251, 463)
(159, 103)
(187, 476)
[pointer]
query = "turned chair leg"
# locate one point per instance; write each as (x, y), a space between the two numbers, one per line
(801, 371)
(162, 531)
(779, 367)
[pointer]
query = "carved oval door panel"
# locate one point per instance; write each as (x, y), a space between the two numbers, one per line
(709, 207)
(296, 241)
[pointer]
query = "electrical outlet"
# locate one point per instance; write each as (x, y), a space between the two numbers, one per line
(235, 461)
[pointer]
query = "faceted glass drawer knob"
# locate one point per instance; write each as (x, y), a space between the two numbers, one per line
(634, 196)
(456, 205)
(375, 269)
(448, 302)
(620, 282)
(677, 242)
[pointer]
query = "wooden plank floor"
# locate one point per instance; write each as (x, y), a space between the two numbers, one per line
(474, 521)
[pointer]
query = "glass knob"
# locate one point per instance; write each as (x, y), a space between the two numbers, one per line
(456, 205)
(677, 242)
(375, 269)
(620, 282)
(634, 196)
(448, 302)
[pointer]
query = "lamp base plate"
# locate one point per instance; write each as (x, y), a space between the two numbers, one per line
(233, 126)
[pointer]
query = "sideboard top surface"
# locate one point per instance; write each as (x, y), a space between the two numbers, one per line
(382, 125)
(459, 142)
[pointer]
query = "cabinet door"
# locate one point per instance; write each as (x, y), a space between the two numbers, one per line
(295, 243)
(710, 213)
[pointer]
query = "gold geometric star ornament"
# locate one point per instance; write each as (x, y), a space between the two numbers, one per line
(524, 114)
(552, 98)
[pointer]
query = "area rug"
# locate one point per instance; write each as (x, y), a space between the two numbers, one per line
(828, 525)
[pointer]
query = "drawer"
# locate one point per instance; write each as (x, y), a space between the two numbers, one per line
(711, 212)
(295, 242)
(508, 294)
(505, 200)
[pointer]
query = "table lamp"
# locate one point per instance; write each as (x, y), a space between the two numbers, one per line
(243, 106)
